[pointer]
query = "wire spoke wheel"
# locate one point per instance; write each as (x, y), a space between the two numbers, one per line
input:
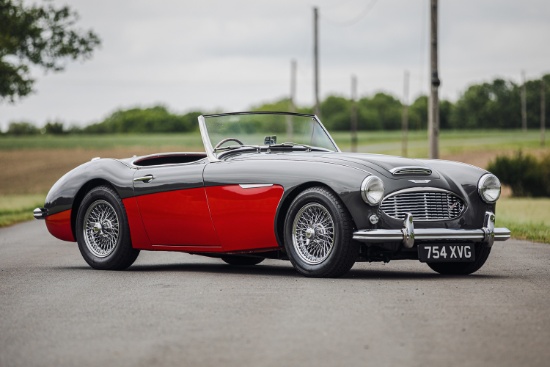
(101, 228)
(313, 233)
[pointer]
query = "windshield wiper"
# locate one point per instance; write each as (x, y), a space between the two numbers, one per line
(233, 147)
(291, 145)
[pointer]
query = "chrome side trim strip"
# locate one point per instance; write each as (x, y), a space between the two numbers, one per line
(254, 186)
(408, 234)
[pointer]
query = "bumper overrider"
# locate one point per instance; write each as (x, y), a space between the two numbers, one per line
(408, 234)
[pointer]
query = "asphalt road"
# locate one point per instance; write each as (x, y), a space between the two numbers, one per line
(172, 309)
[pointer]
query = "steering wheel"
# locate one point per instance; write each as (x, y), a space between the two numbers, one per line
(226, 140)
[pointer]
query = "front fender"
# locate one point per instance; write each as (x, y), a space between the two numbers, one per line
(63, 193)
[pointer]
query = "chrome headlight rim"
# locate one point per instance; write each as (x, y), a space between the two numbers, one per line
(372, 190)
(486, 183)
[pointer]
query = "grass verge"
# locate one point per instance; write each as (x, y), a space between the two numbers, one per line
(527, 218)
(18, 208)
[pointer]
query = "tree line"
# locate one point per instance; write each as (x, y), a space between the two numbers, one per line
(490, 105)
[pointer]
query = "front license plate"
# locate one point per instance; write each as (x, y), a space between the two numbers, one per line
(446, 253)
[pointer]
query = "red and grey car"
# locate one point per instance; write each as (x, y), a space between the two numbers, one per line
(276, 185)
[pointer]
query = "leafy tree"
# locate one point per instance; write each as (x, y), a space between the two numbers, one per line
(281, 105)
(489, 105)
(418, 114)
(155, 119)
(54, 128)
(336, 113)
(22, 128)
(445, 111)
(533, 101)
(40, 35)
(382, 111)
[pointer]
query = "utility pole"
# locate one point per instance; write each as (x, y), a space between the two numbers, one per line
(292, 85)
(542, 111)
(317, 109)
(433, 111)
(292, 106)
(353, 113)
(523, 104)
(405, 115)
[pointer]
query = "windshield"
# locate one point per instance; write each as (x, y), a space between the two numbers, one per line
(258, 132)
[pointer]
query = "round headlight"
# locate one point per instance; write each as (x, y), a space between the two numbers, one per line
(489, 188)
(372, 190)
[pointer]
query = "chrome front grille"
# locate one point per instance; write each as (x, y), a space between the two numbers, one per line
(424, 205)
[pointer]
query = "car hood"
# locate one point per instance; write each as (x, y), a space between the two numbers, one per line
(382, 164)
(371, 163)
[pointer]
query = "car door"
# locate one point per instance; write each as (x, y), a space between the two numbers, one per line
(243, 203)
(173, 205)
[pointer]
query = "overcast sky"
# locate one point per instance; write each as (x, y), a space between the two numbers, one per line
(230, 55)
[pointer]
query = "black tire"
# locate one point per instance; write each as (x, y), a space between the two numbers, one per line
(242, 260)
(102, 231)
(332, 252)
(482, 253)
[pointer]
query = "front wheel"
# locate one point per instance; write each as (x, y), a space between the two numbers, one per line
(102, 231)
(482, 253)
(318, 234)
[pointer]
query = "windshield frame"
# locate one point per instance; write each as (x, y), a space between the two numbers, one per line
(210, 149)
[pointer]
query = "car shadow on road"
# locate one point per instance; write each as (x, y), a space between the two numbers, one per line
(286, 270)
(417, 275)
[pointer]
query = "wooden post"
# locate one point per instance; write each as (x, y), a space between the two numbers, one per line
(292, 106)
(523, 103)
(405, 114)
(353, 113)
(317, 109)
(433, 112)
(542, 111)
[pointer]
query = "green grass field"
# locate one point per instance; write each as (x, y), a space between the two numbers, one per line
(369, 141)
(527, 218)
(18, 208)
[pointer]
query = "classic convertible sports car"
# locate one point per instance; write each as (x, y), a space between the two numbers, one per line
(275, 185)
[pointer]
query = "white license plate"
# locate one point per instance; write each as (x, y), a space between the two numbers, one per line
(446, 253)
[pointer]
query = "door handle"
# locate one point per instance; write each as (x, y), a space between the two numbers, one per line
(144, 179)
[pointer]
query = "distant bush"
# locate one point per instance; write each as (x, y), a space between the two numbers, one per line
(54, 128)
(22, 128)
(526, 175)
(156, 119)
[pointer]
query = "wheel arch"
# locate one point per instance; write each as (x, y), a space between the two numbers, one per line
(86, 188)
(287, 201)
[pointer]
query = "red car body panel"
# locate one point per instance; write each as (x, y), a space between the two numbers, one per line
(178, 218)
(137, 230)
(59, 225)
(244, 218)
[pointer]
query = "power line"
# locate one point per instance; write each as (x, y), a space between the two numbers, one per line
(355, 19)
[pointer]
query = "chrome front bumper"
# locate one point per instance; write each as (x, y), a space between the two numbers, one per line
(39, 213)
(408, 234)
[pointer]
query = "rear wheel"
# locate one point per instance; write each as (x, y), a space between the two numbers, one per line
(102, 231)
(242, 260)
(318, 234)
(482, 253)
